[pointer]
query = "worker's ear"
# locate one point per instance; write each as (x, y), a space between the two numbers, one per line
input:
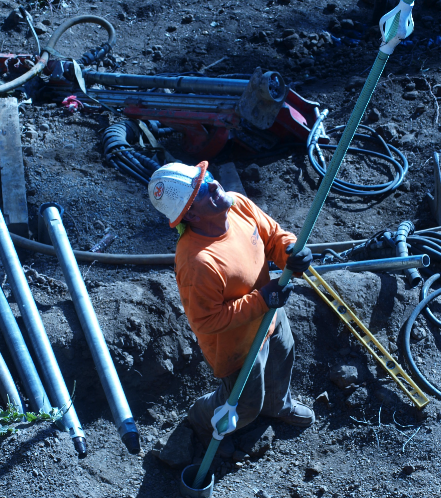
(191, 217)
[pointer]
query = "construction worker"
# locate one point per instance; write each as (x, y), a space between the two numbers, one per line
(222, 274)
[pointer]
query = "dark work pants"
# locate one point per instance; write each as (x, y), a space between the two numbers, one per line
(267, 391)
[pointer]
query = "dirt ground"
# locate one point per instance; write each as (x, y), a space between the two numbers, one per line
(368, 441)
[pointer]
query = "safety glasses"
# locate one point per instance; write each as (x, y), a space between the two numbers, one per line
(203, 189)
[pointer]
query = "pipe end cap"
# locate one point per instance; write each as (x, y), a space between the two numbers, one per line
(80, 446)
(131, 440)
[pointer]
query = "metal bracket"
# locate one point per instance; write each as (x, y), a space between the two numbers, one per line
(368, 340)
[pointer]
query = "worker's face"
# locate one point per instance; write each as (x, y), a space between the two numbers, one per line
(211, 200)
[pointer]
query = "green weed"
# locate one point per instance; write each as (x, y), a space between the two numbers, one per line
(12, 416)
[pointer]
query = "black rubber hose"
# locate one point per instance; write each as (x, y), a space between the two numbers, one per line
(44, 57)
(424, 383)
(423, 294)
(119, 165)
(116, 138)
(348, 188)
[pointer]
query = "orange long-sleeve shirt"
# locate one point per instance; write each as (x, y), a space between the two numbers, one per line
(218, 280)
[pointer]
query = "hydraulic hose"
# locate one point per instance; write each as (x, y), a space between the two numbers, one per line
(8, 391)
(404, 229)
(157, 259)
(407, 352)
(423, 294)
(347, 188)
(45, 54)
(116, 141)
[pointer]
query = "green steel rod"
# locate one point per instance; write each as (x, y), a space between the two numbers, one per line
(305, 232)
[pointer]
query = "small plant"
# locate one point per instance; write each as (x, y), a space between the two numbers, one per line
(11, 416)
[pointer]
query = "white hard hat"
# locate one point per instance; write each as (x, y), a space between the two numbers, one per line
(173, 187)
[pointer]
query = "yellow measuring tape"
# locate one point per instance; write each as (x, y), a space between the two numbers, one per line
(368, 340)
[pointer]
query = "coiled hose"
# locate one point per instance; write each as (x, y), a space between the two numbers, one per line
(119, 153)
(407, 352)
(45, 54)
(348, 188)
(423, 294)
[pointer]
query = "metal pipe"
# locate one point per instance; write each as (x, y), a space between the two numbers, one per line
(182, 83)
(106, 370)
(8, 391)
(404, 229)
(22, 358)
(39, 339)
(387, 264)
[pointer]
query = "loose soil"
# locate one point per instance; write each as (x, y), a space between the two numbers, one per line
(368, 441)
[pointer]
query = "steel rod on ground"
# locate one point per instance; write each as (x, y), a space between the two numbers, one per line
(39, 339)
(106, 370)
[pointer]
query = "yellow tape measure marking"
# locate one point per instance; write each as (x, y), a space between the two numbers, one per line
(368, 340)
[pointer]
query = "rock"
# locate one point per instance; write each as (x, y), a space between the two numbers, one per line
(313, 470)
(252, 173)
(32, 134)
(240, 456)
(47, 22)
(307, 62)
(288, 32)
(187, 19)
(374, 115)
(171, 28)
(420, 108)
(13, 20)
(291, 41)
(29, 150)
(418, 333)
(44, 127)
(357, 398)
(437, 89)
(344, 375)
(410, 87)
(387, 397)
(330, 7)
(347, 24)
(407, 140)
(409, 469)
(40, 28)
(334, 25)
(355, 82)
(323, 397)
(411, 95)
(178, 450)
(388, 131)
(257, 442)
(262, 494)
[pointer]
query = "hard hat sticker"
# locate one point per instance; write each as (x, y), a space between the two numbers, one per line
(158, 191)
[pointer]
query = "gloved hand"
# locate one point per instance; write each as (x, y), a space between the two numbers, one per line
(300, 262)
(275, 295)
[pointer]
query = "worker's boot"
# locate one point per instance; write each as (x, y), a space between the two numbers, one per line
(300, 415)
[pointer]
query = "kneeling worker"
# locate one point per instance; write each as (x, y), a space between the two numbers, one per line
(224, 284)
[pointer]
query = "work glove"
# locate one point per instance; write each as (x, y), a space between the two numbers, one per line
(300, 262)
(275, 295)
